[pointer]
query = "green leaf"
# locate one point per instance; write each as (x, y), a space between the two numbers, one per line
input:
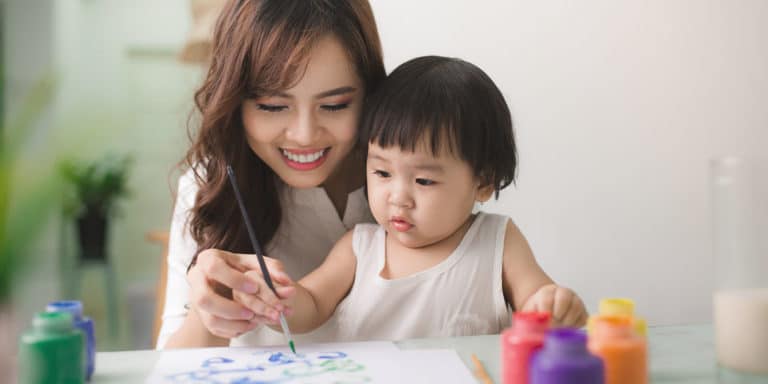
(97, 184)
(22, 223)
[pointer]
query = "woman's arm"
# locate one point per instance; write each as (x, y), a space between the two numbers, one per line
(181, 249)
(195, 314)
(193, 334)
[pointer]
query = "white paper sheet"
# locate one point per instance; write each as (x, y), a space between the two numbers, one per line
(370, 362)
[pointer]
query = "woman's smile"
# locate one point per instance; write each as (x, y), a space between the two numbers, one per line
(304, 159)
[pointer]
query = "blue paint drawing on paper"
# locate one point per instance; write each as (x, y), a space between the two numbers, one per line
(269, 367)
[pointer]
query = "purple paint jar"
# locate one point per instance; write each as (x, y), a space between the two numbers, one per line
(564, 359)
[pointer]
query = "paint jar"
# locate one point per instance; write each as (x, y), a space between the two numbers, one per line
(85, 324)
(52, 351)
(622, 307)
(519, 342)
(564, 359)
(740, 300)
(623, 352)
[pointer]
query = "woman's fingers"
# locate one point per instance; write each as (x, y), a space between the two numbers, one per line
(226, 328)
(277, 271)
(223, 267)
(261, 310)
(269, 301)
(213, 280)
(205, 299)
(265, 293)
(250, 263)
(230, 294)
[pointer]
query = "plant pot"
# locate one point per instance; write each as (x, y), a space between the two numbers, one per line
(92, 235)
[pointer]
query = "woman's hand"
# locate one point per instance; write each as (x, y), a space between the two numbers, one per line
(264, 303)
(212, 281)
(563, 304)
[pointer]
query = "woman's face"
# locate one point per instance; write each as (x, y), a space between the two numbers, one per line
(304, 132)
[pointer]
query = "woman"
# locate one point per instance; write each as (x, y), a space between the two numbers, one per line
(281, 104)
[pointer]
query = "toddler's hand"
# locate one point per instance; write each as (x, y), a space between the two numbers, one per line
(265, 305)
(563, 304)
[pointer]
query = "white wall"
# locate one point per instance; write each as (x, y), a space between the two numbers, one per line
(618, 108)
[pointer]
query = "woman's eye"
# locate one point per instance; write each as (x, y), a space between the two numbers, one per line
(424, 182)
(271, 107)
(335, 107)
(381, 173)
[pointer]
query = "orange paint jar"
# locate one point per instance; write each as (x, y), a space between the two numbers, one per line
(624, 353)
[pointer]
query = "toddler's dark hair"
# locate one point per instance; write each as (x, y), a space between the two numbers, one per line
(451, 104)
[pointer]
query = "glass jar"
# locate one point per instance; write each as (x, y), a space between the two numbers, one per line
(740, 239)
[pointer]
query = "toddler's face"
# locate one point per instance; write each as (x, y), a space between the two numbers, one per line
(420, 199)
(304, 132)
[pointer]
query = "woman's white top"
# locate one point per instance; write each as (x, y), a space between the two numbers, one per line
(310, 227)
(460, 296)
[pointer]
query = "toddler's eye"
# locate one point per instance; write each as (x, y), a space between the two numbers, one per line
(271, 107)
(425, 182)
(335, 107)
(381, 173)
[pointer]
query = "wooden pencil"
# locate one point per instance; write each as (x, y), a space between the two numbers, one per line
(480, 371)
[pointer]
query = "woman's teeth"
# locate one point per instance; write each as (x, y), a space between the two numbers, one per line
(303, 158)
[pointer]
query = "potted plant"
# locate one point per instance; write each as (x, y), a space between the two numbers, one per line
(97, 187)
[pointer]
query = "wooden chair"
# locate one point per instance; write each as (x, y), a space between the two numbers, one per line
(160, 238)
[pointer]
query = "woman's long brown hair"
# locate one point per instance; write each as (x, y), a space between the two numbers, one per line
(261, 46)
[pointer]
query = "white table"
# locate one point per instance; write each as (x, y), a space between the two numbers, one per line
(678, 354)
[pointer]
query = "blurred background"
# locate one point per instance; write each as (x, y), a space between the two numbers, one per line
(105, 80)
(619, 108)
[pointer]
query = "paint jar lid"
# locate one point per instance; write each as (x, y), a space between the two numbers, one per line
(531, 321)
(640, 326)
(613, 326)
(566, 340)
(74, 307)
(617, 306)
(52, 321)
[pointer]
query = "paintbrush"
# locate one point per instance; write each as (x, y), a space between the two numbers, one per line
(257, 249)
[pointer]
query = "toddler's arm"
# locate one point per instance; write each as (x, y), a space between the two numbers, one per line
(528, 288)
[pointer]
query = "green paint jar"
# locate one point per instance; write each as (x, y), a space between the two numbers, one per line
(52, 351)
